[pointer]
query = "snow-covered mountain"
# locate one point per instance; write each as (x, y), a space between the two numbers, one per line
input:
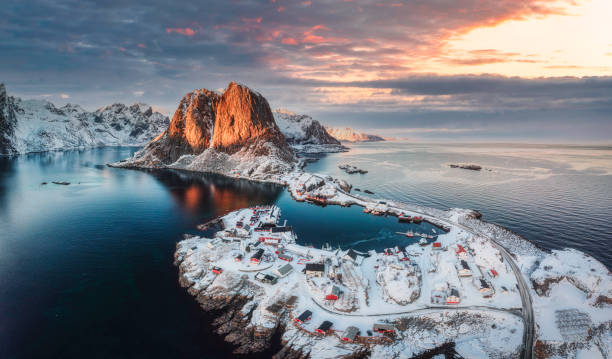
(350, 135)
(38, 125)
(305, 134)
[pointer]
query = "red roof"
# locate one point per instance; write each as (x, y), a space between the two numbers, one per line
(460, 249)
(494, 272)
(437, 244)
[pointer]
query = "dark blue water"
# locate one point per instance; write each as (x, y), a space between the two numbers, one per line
(86, 269)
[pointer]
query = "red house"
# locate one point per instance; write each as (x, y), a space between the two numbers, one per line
(437, 245)
(217, 270)
(304, 317)
(460, 249)
(494, 273)
(333, 293)
(324, 328)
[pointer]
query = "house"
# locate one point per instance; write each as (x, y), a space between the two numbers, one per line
(403, 256)
(270, 240)
(351, 255)
(350, 334)
(436, 245)
(304, 317)
(239, 224)
(333, 293)
(324, 328)
(256, 258)
(315, 269)
(283, 271)
(282, 229)
(383, 328)
(398, 250)
(453, 296)
(493, 273)
(217, 270)
(438, 297)
(483, 287)
(284, 256)
(464, 269)
(238, 258)
(460, 251)
(266, 278)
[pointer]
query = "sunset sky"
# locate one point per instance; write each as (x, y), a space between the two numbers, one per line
(520, 70)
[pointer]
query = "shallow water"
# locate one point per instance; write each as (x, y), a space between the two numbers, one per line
(86, 269)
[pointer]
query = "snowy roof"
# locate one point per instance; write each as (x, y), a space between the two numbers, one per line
(350, 333)
(285, 269)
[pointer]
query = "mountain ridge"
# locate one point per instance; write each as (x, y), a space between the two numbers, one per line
(38, 125)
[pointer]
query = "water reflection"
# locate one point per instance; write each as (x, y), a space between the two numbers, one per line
(196, 191)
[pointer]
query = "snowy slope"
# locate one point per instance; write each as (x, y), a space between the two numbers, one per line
(350, 135)
(305, 134)
(38, 125)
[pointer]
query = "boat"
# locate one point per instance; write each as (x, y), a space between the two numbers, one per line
(423, 242)
(424, 235)
(407, 234)
(404, 218)
(417, 219)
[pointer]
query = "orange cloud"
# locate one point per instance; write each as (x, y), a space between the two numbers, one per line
(142, 46)
(289, 41)
(306, 3)
(280, 8)
(187, 31)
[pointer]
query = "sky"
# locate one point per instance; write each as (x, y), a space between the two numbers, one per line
(473, 70)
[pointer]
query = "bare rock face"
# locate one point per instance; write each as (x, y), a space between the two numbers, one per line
(232, 134)
(244, 118)
(7, 123)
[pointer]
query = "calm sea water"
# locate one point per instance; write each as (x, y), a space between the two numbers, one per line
(86, 269)
(555, 196)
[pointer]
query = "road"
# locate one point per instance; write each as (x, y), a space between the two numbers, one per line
(527, 308)
(427, 309)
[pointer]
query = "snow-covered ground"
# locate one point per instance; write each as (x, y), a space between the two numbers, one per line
(373, 288)
(565, 286)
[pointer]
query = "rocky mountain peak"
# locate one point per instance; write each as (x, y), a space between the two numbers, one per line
(2, 93)
(243, 118)
(190, 131)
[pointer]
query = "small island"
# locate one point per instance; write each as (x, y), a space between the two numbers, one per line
(350, 169)
(466, 166)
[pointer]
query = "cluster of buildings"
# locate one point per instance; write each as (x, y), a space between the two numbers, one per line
(350, 334)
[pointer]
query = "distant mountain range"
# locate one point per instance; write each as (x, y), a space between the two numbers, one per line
(38, 125)
(348, 134)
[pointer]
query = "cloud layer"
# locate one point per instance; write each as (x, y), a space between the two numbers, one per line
(339, 59)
